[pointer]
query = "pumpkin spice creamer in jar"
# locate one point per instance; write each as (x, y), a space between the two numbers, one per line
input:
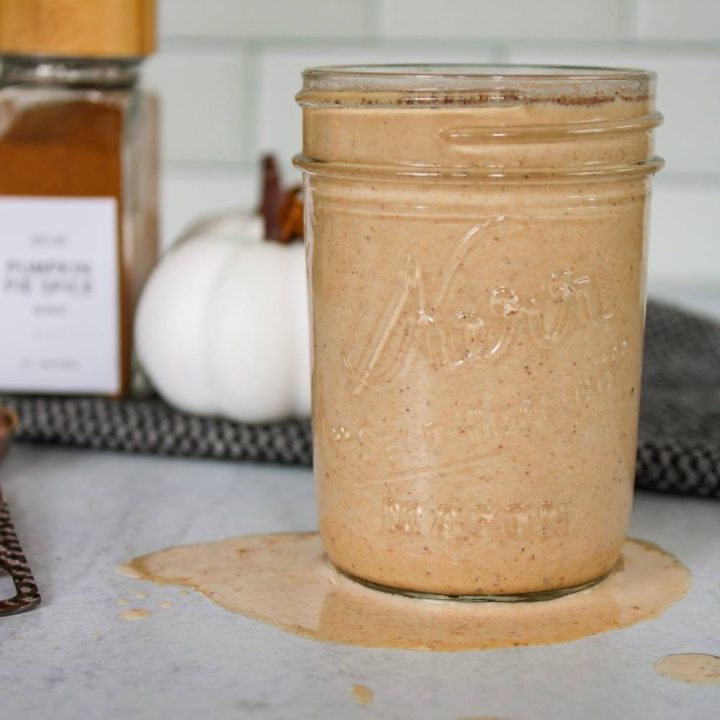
(477, 254)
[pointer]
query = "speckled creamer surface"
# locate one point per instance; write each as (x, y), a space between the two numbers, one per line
(477, 342)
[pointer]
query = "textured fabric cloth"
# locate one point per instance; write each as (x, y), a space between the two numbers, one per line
(151, 426)
(679, 447)
(679, 444)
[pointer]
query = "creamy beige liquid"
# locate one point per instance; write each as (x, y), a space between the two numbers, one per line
(135, 614)
(362, 694)
(477, 343)
(285, 580)
(693, 668)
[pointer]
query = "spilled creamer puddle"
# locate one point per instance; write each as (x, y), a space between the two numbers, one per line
(693, 668)
(285, 580)
(362, 694)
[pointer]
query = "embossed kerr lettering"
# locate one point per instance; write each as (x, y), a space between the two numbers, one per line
(450, 337)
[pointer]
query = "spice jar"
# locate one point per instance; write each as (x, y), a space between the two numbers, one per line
(477, 254)
(78, 191)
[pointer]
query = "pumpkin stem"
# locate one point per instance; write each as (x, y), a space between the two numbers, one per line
(270, 197)
(282, 210)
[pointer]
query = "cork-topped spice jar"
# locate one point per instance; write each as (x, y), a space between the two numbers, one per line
(78, 191)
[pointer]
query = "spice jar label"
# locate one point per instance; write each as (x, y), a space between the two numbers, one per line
(59, 293)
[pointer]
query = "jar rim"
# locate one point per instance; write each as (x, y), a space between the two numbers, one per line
(478, 72)
(471, 84)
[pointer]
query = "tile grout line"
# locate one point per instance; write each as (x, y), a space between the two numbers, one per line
(274, 44)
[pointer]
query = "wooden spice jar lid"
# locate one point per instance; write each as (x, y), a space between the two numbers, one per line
(78, 28)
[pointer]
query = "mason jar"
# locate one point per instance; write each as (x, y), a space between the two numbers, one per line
(476, 240)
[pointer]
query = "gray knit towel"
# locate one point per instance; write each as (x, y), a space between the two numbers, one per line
(679, 447)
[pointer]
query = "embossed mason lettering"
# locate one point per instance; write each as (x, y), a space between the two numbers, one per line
(517, 520)
(400, 515)
(553, 518)
(444, 522)
(450, 521)
(482, 519)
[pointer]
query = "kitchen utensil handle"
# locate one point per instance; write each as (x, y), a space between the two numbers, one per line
(14, 562)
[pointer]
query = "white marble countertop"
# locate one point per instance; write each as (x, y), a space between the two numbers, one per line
(80, 514)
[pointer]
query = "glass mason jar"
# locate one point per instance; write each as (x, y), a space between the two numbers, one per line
(477, 251)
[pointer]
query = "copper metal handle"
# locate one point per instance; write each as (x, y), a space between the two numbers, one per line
(14, 562)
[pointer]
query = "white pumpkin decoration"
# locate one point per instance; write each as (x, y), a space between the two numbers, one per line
(222, 324)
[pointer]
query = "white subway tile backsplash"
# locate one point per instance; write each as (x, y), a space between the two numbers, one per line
(699, 297)
(278, 118)
(230, 69)
(203, 104)
(688, 96)
(678, 20)
(190, 193)
(685, 232)
(263, 18)
(501, 19)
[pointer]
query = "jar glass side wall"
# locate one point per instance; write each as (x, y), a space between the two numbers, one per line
(141, 185)
(477, 264)
(476, 382)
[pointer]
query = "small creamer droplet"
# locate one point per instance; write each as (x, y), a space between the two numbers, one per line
(134, 614)
(694, 668)
(362, 694)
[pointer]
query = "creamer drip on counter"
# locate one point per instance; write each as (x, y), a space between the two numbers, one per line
(286, 580)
